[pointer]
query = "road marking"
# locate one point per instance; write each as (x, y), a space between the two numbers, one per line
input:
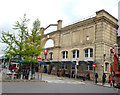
(64, 82)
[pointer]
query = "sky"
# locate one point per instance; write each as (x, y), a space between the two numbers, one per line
(50, 11)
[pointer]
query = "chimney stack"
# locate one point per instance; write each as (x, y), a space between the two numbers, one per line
(59, 25)
(42, 30)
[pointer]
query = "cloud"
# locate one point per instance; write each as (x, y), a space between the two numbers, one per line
(50, 11)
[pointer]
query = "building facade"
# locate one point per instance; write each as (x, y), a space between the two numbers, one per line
(87, 41)
(118, 42)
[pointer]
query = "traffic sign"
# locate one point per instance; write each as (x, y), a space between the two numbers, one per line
(77, 61)
(39, 59)
(45, 50)
(93, 65)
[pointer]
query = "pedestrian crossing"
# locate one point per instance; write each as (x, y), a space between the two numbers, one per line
(64, 82)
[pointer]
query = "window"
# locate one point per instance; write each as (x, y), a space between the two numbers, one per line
(87, 38)
(86, 53)
(65, 54)
(51, 55)
(89, 67)
(106, 67)
(89, 52)
(75, 53)
(45, 56)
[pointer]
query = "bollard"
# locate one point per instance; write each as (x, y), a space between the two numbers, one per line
(12, 76)
(21, 76)
(41, 75)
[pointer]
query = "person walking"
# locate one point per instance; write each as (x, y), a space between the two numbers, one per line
(104, 78)
(96, 76)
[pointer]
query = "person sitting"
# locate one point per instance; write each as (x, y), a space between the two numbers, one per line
(88, 77)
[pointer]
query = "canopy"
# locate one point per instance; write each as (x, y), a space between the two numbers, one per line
(96, 63)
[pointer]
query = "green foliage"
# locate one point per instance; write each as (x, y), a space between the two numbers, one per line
(24, 44)
(32, 43)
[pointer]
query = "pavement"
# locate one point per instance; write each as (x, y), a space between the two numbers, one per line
(55, 79)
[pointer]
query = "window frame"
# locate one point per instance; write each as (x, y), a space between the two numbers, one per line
(88, 53)
(75, 53)
(106, 67)
(64, 54)
(51, 55)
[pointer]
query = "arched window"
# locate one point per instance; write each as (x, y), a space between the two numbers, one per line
(75, 54)
(88, 53)
(64, 54)
(49, 43)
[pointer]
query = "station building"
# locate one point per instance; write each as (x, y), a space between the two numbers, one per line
(86, 42)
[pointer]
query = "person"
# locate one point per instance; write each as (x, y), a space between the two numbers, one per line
(61, 73)
(69, 74)
(58, 72)
(64, 73)
(104, 78)
(88, 76)
(109, 79)
(96, 76)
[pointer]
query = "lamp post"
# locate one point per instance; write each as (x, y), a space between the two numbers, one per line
(103, 67)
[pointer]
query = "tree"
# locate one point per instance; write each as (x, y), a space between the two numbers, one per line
(26, 44)
(15, 44)
(33, 42)
(32, 45)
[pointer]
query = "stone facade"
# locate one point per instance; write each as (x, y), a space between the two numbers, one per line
(98, 33)
(118, 42)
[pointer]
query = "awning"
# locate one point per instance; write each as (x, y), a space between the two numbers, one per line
(96, 63)
(42, 63)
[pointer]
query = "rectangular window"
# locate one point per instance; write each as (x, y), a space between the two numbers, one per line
(65, 66)
(90, 67)
(51, 55)
(77, 53)
(91, 52)
(106, 67)
(74, 54)
(66, 54)
(86, 53)
(87, 38)
(62, 66)
(45, 56)
(63, 54)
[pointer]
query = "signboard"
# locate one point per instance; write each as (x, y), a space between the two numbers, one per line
(47, 59)
(93, 65)
(39, 59)
(45, 50)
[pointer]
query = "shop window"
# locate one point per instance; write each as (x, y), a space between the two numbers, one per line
(89, 67)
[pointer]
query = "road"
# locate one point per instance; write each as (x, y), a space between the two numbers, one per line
(54, 85)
